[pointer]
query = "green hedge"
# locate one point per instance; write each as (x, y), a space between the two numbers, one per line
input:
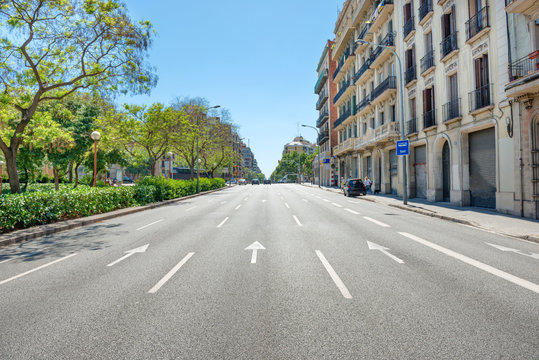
(20, 211)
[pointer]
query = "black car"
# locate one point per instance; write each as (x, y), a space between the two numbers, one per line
(255, 182)
(354, 187)
(267, 181)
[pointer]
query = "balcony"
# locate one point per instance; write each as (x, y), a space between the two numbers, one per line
(366, 35)
(384, 90)
(451, 111)
(480, 98)
(344, 85)
(408, 28)
(322, 118)
(449, 44)
(321, 81)
(410, 74)
(411, 127)
(427, 62)
(344, 147)
(322, 99)
(345, 115)
(383, 134)
(524, 67)
(346, 59)
(381, 14)
(429, 119)
(525, 7)
(477, 24)
(425, 9)
(363, 104)
(364, 70)
(324, 135)
(381, 54)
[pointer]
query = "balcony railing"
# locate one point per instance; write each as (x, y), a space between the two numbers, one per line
(341, 118)
(344, 86)
(409, 26)
(321, 80)
(427, 61)
(429, 119)
(481, 97)
(449, 44)
(508, 2)
(322, 99)
(410, 74)
(424, 9)
(364, 31)
(324, 135)
(388, 83)
(524, 66)
(362, 69)
(477, 23)
(451, 110)
(411, 126)
(350, 51)
(363, 103)
(322, 118)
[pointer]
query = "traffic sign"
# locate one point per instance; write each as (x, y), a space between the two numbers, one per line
(403, 147)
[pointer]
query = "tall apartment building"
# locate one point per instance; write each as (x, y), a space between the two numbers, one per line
(325, 89)
(300, 145)
(455, 59)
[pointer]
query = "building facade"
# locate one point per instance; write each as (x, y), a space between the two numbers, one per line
(300, 145)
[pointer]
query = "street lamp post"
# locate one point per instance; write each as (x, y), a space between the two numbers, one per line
(170, 164)
(198, 163)
(404, 177)
(1, 175)
(95, 137)
(318, 145)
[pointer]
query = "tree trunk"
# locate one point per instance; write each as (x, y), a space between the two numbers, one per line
(70, 171)
(11, 167)
(77, 174)
(56, 179)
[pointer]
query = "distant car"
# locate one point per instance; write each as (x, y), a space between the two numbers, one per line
(255, 182)
(267, 181)
(242, 182)
(354, 187)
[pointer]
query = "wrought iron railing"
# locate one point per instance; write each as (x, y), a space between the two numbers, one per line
(451, 110)
(322, 118)
(524, 66)
(321, 99)
(388, 83)
(343, 117)
(363, 103)
(477, 23)
(424, 8)
(344, 86)
(362, 69)
(364, 31)
(481, 97)
(411, 126)
(427, 61)
(449, 44)
(410, 74)
(409, 26)
(429, 118)
(324, 135)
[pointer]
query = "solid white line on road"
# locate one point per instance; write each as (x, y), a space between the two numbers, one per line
(326, 200)
(190, 208)
(36, 269)
(375, 221)
(222, 222)
(145, 226)
(502, 274)
(237, 207)
(352, 211)
(282, 198)
(247, 198)
(337, 205)
(170, 274)
(305, 200)
(5, 261)
(286, 204)
(353, 202)
(297, 220)
(336, 279)
(223, 202)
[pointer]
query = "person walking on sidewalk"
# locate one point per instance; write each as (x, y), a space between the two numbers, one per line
(368, 184)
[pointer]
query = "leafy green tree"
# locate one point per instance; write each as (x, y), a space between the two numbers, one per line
(50, 49)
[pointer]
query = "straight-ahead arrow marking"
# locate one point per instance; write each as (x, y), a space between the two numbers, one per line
(503, 248)
(384, 250)
(140, 249)
(255, 247)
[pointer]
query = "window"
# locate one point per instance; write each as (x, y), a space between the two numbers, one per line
(481, 71)
(381, 118)
(428, 107)
(393, 115)
(453, 88)
(412, 109)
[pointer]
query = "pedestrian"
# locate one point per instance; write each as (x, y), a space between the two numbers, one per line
(368, 184)
(342, 183)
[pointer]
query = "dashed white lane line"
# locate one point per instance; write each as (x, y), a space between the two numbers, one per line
(145, 226)
(5, 261)
(36, 269)
(305, 200)
(170, 274)
(326, 200)
(223, 202)
(353, 202)
(190, 208)
(376, 221)
(337, 205)
(336, 279)
(247, 198)
(286, 204)
(297, 220)
(222, 222)
(352, 211)
(502, 274)
(237, 207)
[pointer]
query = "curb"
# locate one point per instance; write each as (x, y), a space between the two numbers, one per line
(48, 229)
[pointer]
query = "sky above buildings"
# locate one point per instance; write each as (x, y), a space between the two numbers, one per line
(255, 58)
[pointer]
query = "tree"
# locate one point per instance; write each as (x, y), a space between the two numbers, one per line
(50, 49)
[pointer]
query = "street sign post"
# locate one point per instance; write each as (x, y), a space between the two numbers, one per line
(403, 147)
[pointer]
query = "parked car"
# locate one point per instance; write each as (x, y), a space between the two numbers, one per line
(255, 182)
(128, 180)
(242, 182)
(354, 187)
(267, 181)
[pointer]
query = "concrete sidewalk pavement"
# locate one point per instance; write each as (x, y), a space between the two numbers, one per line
(485, 219)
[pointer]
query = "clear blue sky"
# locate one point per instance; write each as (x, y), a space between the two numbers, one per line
(256, 58)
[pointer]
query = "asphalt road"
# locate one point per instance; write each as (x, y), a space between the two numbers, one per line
(270, 272)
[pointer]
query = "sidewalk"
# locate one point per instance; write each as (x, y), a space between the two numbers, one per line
(489, 220)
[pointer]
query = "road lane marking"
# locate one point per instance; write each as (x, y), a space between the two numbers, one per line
(237, 207)
(140, 249)
(36, 269)
(5, 261)
(353, 202)
(352, 211)
(190, 209)
(222, 222)
(383, 250)
(305, 200)
(297, 220)
(247, 198)
(170, 274)
(326, 200)
(337, 205)
(286, 204)
(492, 270)
(375, 221)
(223, 202)
(336, 279)
(145, 226)
(255, 247)
(516, 251)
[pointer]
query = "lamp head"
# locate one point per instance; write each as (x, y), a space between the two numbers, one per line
(170, 153)
(1, 163)
(361, 41)
(95, 135)
(215, 107)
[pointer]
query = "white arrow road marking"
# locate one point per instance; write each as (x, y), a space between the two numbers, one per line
(503, 248)
(145, 226)
(286, 204)
(336, 279)
(128, 253)
(170, 273)
(375, 221)
(337, 205)
(222, 222)
(237, 207)
(255, 247)
(384, 250)
(297, 220)
(352, 211)
(36, 269)
(502, 274)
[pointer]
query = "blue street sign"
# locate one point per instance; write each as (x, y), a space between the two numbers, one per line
(403, 147)
(326, 161)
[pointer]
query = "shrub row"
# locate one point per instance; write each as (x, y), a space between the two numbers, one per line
(19, 211)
